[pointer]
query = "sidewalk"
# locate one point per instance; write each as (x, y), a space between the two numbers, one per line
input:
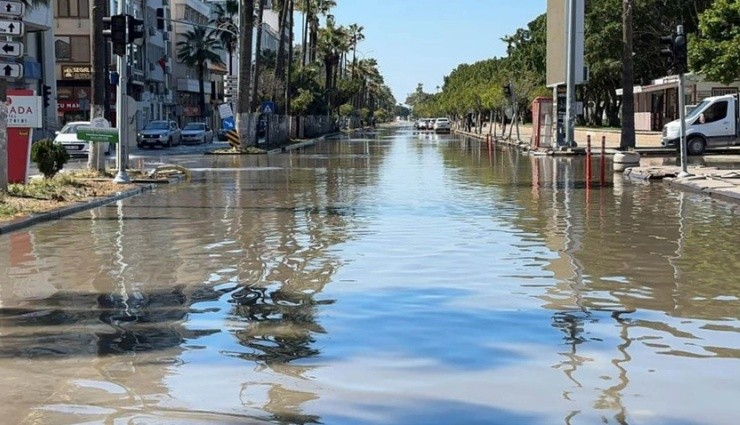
(713, 182)
(644, 140)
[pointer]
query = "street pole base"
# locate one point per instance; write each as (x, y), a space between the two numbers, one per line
(684, 174)
(122, 178)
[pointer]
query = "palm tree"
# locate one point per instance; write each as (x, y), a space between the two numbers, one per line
(225, 17)
(355, 32)
(258, 59)
(196, 50)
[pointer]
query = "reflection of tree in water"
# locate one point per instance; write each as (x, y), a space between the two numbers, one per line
(281, 324)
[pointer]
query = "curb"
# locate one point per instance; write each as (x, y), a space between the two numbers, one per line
(22, 223)
(714, 193)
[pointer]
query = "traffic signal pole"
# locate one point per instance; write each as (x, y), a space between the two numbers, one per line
(682, 104)
(122, 109)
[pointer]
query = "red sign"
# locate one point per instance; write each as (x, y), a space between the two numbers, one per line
(19, 147)
(68, 105)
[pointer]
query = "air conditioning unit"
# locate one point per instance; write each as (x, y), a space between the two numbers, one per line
(165, 36)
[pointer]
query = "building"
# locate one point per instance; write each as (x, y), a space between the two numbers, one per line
(38, 66)
(657, 103)
(148, 63)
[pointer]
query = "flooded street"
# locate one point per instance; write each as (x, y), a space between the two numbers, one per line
(391, 278)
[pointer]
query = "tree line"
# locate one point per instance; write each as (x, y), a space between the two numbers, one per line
(321, 76)
(714, 51)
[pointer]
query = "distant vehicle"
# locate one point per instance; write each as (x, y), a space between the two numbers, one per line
(67, 137)
(713, 123)
(442, 125)
(162, 133)
(196, 132)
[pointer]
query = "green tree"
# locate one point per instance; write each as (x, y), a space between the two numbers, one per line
(715, 51)
(225, 17)
(197, 49)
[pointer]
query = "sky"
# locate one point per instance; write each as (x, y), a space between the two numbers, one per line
(422, 41)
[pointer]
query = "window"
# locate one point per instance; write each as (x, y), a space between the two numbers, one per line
(715, 112)
(73, 9)
(74, 49)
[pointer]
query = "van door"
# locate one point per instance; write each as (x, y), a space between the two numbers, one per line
(715, 124)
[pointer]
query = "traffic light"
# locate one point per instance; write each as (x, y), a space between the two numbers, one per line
(135, 29)
(160, 18)
(667, 50)
(680, 54)
(117, 33)
(47, 96)
(507, 91)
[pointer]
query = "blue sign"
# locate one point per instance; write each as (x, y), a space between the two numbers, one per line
(228, 123)
(268, 107)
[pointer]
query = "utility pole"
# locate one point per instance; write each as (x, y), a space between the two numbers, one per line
(3, 136)
(570, 73)
(627, 141)
(99, 9)
(246, 19)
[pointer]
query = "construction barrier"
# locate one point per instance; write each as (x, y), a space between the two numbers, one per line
(233, 138)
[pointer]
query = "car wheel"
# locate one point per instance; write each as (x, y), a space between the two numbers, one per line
(696, 146)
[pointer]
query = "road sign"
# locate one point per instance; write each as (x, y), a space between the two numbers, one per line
(97, 134)
(11, 49)
(268, 107)
(228, 123)
(233, 138)
(225, 111)
(11, 70)
(12, 28)
(12, 8)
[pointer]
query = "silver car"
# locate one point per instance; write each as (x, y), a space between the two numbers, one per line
(162, 133)
(197, 132)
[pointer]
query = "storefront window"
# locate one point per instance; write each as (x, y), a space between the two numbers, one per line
(71, 48)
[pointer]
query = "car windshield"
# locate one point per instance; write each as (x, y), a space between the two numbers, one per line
(72, 128)
(195, 126)
(696, 111)
(157, 125)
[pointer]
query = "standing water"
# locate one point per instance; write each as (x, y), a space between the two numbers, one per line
(388, 278)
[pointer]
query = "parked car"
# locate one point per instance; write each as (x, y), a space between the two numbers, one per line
(162, 133)
(67, 137)
(442, 125)
(713, 123)
(197, 132)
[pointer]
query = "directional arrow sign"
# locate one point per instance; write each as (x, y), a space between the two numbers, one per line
(11, 49)
(11, 70)
(12, 8)
(11, 28)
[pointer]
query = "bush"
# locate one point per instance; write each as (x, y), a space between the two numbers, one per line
(50, 157)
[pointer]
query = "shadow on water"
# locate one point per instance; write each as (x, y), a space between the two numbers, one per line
(74, 324)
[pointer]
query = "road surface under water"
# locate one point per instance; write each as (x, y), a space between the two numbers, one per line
(390, 278)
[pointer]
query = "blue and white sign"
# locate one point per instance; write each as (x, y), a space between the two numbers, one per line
(228, 123)
(268, 107)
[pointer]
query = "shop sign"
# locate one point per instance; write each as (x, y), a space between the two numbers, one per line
(76, 72)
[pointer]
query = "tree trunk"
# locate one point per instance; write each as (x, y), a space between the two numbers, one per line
(98, 9)
(628, 101)
(280, 62)
(202, 89)
(246, 19)
(290, 58)
(257, 58)
(306, 18)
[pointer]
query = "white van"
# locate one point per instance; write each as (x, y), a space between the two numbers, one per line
(713, 123)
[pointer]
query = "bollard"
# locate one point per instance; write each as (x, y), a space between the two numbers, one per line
(588, 160)
(603, 161)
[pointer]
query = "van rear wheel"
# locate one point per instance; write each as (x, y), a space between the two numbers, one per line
(695, 146)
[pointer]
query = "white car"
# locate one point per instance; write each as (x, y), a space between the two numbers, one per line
(442, 125)
(196, 132)
(67, 137)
